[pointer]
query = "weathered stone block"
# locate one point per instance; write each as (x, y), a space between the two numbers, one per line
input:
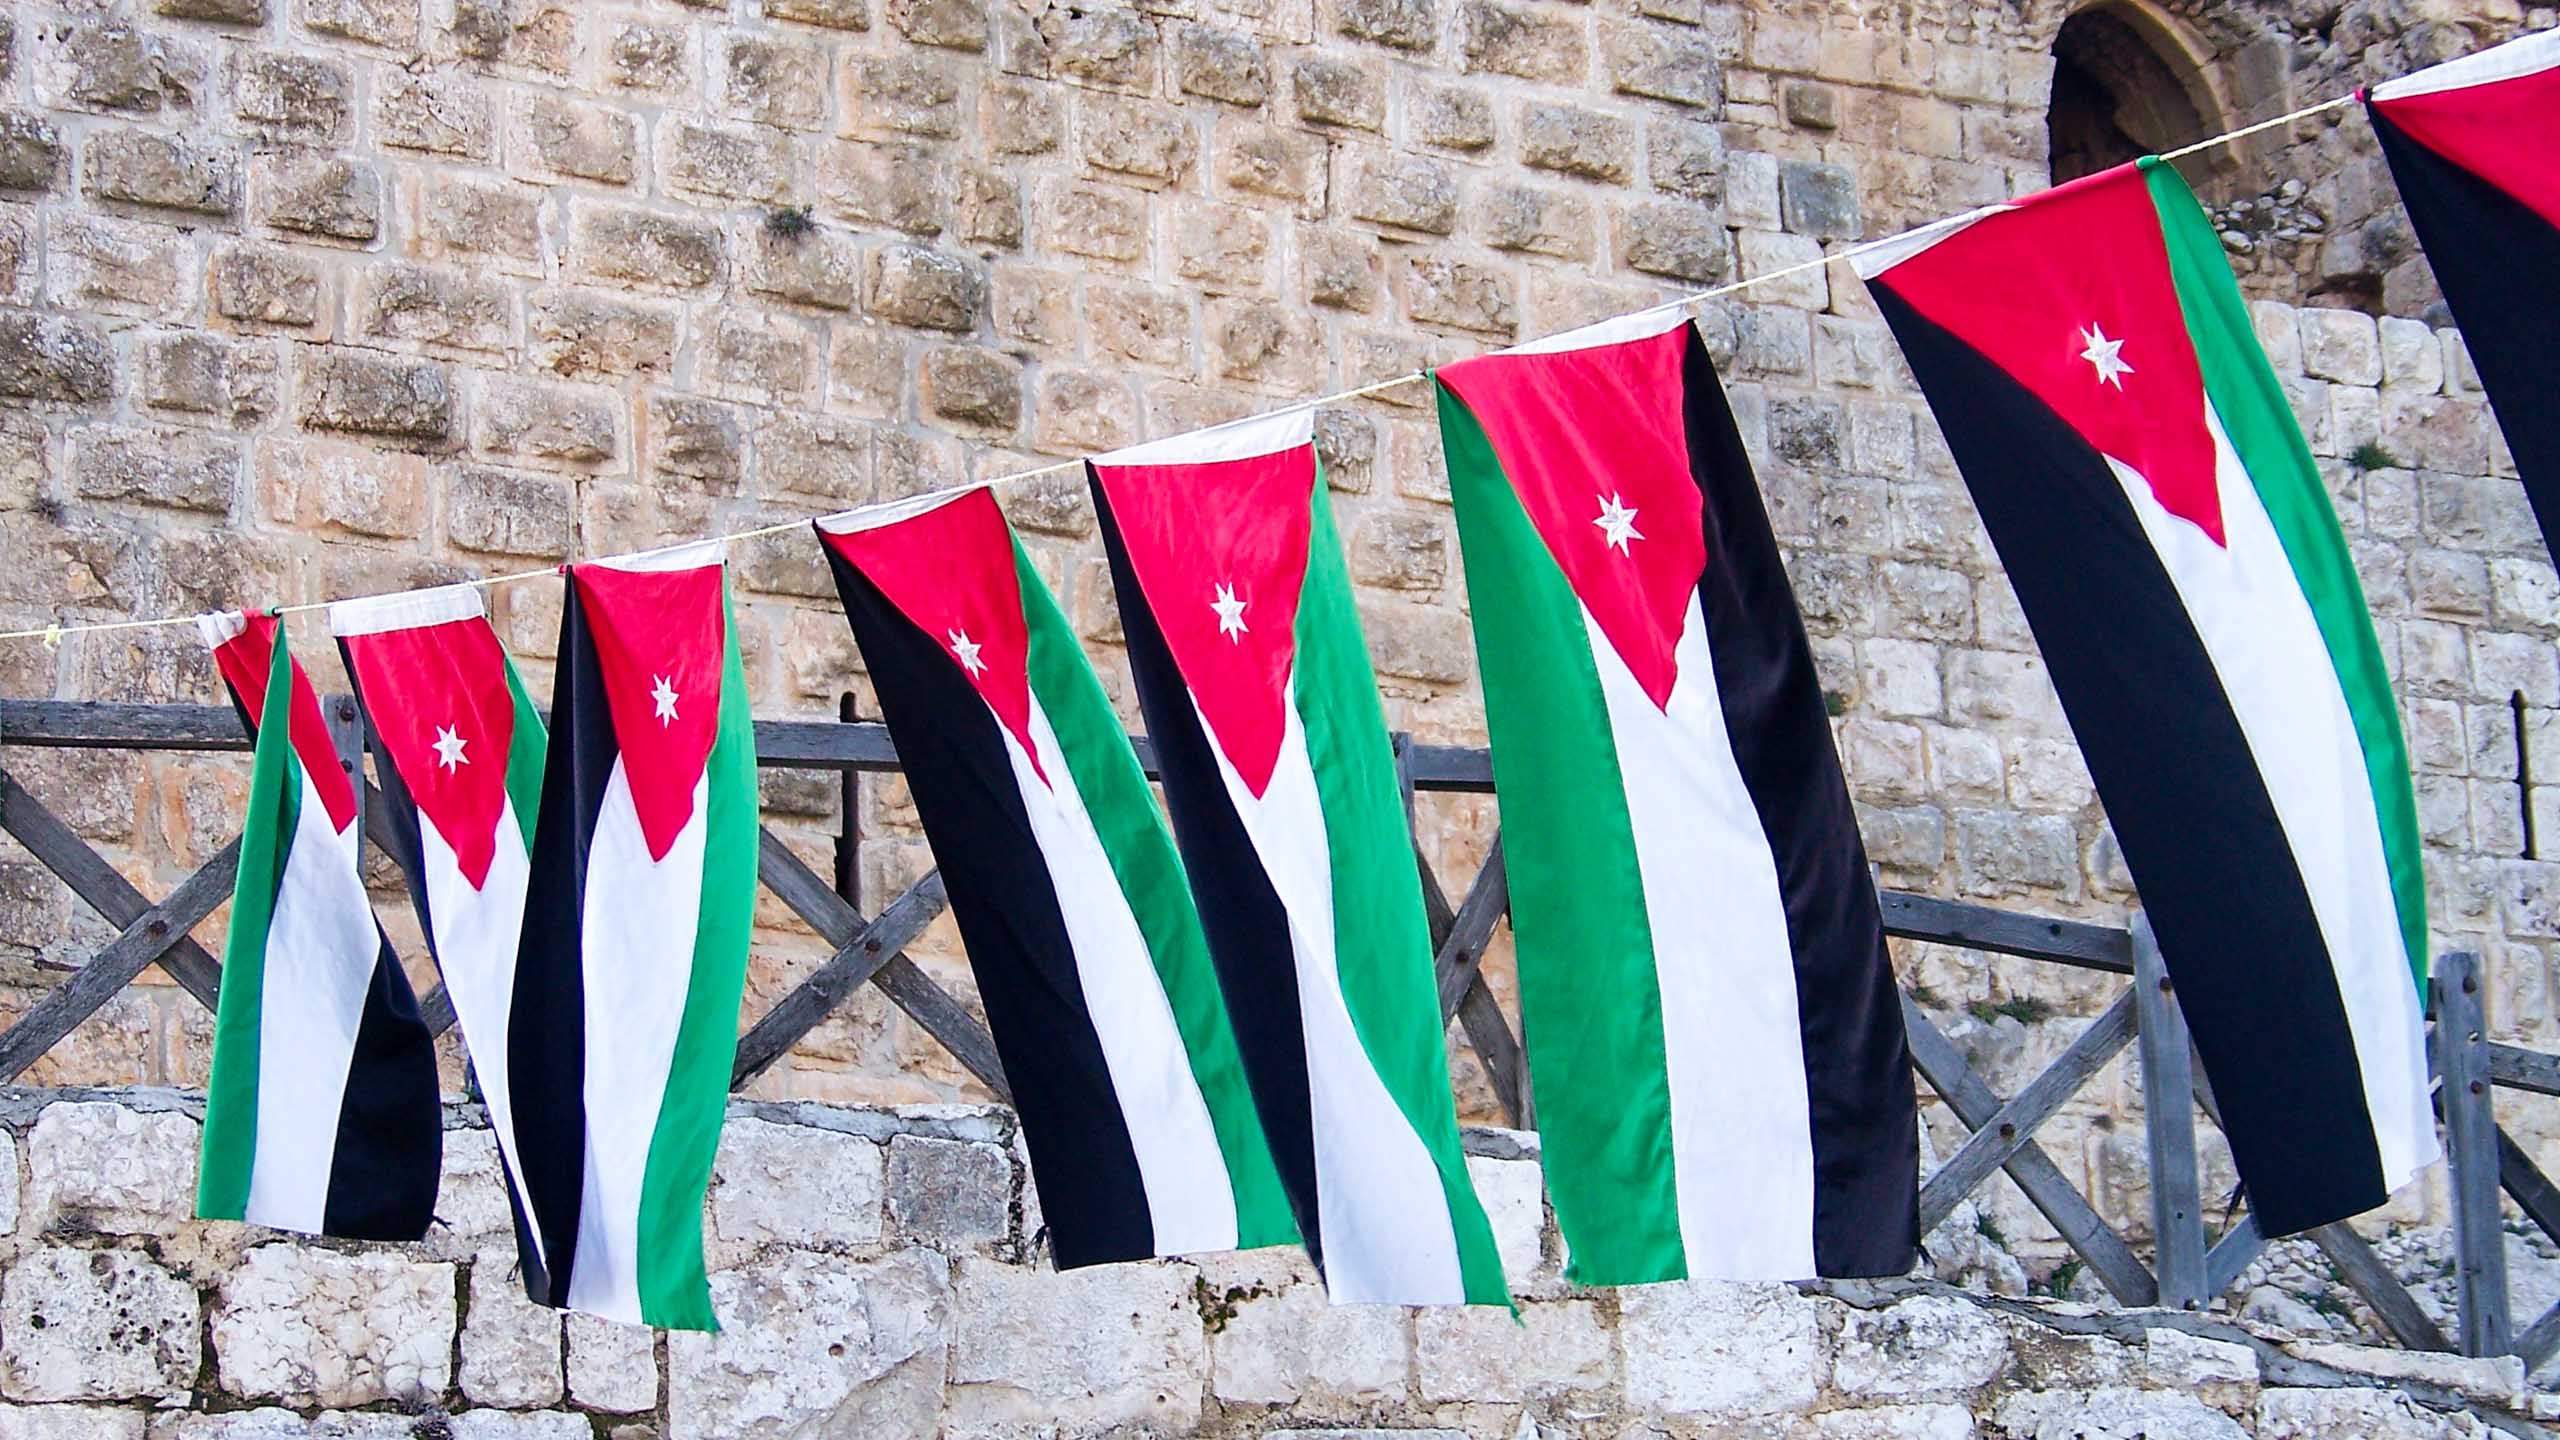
(1341, 269)
(177, 469)
(650, 58)
(1480, 1354)
(506, 512)
(973, 387)
(697, 441)
(1282, 164)
(1452, 118)
(1463, 293)
(545, 422)
(31, 152)
(949, 1192)
(2118, 1410)
(1530, 41)
(986, 208)
(296, 97)
(581, 140)
(510, 1346)
(1405, 191)
(927, 288)
(1085, 1350)
(818, 456)
(730, 163)
(263, 285)
(1675, 240)
(821, 268)
(1926, 1346)
(432, 306)
(200, 374)
(1222, 65)
(643, 247)
(947, 24)
(69, 1422)
(612, 1367)
(1333, 91)
(334, 198)
(97, 1325)
(106, 62)
(1722, 1351)
(581, 334)
(125, 267)
(1404, 24)
(899, 185)
(906, 93)
(1685, 159)
(1818, 200)
(1101, 45)
(43, 357)
(347, 487)
(493, 224)
(373, 394)
(1136, 138)
(832, 14)
(1082, 412)
(811, 1344)
(1662, 63)
(314, 1327)
(167, 171)
(1423, 643)
(109, 1169)
(535, 34)
(442, 112)
(391, 24)
(1574, 141)
(795, 1185)
(774, 80)
(1763, 253)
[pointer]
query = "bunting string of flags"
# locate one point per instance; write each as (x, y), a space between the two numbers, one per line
(1228, 1002)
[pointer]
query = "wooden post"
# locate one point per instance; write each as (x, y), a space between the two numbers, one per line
(2169, 1120)
(2471, 1155)
(346, 736)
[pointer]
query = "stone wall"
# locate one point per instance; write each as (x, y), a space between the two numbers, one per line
(882, 1273)
(305, 298)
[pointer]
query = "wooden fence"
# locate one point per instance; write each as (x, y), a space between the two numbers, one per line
(2189, 1265)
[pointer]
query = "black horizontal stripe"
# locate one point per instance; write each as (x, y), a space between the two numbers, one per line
(2180, 784)
(1862, 1107)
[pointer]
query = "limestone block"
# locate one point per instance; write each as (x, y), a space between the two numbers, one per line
(729, 163)
(265, 285)
(293, 97)
(68, 1422)
(1404, 191)
(973, 387)
(441, 112)
(1333, 91)
(650, 58)
(2216, 1371)
(316, 1327)
(332, 198)
(31, 152)
(1686, 159)
(1222, 65)
(504, 1425)
(1101, 45)
(1083, 1351)
(697, 441)
(1722, 1351)
(168, 171)
(1471, 295)
(273, 1424)
(774, 80)
(612, 1367)
(1765, 252)
(1527, 41)
(1512, 1191)
(1404, 24)
(1677, 240)
(2492, 1379)
(1659, 62)
(2354, 1414)
(545, 422)
(1478, 1353)
(111, 1170)
(1574, 141)
(815, 1345)
(433, 305)
(949, 1192)
(2340, 345)
(796, 1185)
(176, 469)
(1893, 1422)
(949, 24)
(471, 1205)
(2111, 1410)
(562, 136)
(833, 14)
(112, 64)
(1148, 143)
(583, 334)
(906, 93)
(1282, 164)
(1296, 1348)
(127, 267)
(96, 1325)
(926, 288)
(373, 394)
(1928, 1345)
(510, 1346)
(643, 247)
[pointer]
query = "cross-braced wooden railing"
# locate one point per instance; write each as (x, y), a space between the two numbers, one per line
(2189, 1264)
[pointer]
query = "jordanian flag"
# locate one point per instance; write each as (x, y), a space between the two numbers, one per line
(1079, 925)
(2470, 143)
(1724, 1091)
(461, 761)
(1277, 768)
(2139, 470)
(321, 1114)
(637, 909)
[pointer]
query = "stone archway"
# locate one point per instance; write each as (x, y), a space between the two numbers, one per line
(2129, 80)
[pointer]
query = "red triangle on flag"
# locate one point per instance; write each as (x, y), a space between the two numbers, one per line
(2493, 113)
(659, 629)
(438, 697)
(1220, 551)
(948, 567)
(244, 660)
(2069, 291)
(1594, 442)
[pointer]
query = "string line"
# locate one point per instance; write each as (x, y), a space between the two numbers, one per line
(53, 634)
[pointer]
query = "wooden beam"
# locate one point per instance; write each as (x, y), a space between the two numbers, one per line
(2179, 1256)
(2365, 1273)
(815, 998)
(2519, 1069)
(100, 884)
(147, 938)
(2004, 932)
(840, 925)
(2471, 1156)
(2235, 1252)
(2079, 1224)
(2013, 1126)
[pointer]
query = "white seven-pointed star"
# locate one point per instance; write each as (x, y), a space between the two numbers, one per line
(2105, 355)
(1617, 523)
(663, 696)
(1230, 613)
(966, 651)
(448, 748)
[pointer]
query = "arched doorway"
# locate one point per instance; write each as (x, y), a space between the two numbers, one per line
(2128, 80)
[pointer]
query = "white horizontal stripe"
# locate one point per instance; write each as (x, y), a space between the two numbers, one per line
(674, 557)
(637, 961)
(1190, 1199)
(2249, 608)
(1236, 440)
(375, 614)
(1383, 1217)
(476, 935)
(1617, 330)
(2524, 55)
(1879, 256)
(221, 627)
(891, 512)
(1733, 1038)
(321, 950)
